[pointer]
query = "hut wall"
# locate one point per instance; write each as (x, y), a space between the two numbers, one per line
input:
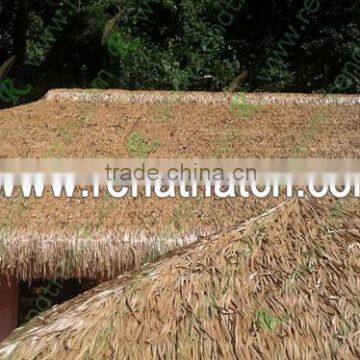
(8, 306)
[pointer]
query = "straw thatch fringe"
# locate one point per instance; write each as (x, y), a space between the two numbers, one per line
(39, 257)
(285, 286)
(199, 97)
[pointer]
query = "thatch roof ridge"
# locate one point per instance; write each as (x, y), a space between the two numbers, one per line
(36, 256)
(156, 96)
(224, 296)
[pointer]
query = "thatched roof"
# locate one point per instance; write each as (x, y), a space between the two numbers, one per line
(101, 258)
(100, 239)
(70, 128)
(49, 237)
(284, 284)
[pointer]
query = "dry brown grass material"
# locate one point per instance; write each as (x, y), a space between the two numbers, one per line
(186, 129)
(199, 97)
(72, 238)
(103, 258)
(282, 285)
(48, 129)
(93, 217)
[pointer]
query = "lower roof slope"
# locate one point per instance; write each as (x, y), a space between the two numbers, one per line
(284, 284)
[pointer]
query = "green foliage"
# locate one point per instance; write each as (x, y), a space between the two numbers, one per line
(185, 45)
(119, 46)
(10, 94)
(277, 77)
(241, 107)
(265, 320)
(138, 146)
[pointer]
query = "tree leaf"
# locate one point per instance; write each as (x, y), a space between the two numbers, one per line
(6, 67)
(109, 27)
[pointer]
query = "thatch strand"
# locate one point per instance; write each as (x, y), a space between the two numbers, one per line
(285, 285)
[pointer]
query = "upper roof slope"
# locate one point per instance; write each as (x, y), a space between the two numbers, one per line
(64, 128)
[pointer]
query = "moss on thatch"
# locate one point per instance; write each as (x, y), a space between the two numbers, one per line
(282, 285)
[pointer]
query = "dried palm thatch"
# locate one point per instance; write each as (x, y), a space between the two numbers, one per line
(44, 257)
(80, 243)
(198, 97)
(282, 285)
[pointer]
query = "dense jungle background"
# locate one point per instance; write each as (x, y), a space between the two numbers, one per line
(234, 45)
